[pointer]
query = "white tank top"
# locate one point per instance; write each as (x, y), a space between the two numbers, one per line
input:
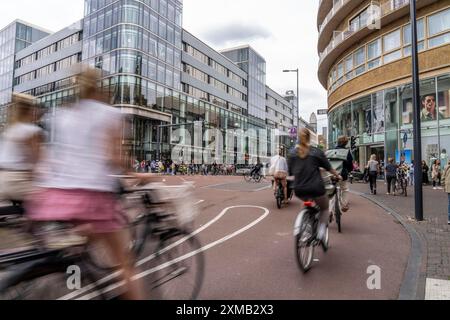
(79, 157)
(15, 154)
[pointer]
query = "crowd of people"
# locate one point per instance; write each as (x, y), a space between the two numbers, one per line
(169, 167)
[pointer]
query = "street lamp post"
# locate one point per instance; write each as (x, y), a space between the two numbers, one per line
(417, 121)
(298, 86)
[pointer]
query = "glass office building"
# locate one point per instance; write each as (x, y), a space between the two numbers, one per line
(367, 73)
(163, 79)
(13, 38)
(138, 45)
(383, 121)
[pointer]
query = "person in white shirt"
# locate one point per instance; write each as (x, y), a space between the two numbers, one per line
(88, 137)
(19, 149)
(279, 171)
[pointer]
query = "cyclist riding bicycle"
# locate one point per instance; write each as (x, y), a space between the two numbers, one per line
(256, 170)
(279, 171)
(77, 183)
(347, 168)
(305, 165)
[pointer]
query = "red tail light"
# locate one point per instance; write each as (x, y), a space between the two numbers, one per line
(309, 204)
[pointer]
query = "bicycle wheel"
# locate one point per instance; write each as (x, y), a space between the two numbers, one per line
(180, 267)
(338, 212)
(304, 246)
(247, 177)
(279, 197)
(99, 255)
(48, 283)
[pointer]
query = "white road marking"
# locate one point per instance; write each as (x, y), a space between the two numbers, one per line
(263, 188)
(437, 289)
(198, 202)
(169, 263)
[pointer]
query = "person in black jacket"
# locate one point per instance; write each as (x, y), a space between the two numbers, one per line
(305, 165)
(346, 170)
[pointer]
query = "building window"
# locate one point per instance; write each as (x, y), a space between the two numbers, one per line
(439, 23)
(392, 41)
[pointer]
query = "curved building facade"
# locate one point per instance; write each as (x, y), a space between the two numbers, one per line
(365, 65)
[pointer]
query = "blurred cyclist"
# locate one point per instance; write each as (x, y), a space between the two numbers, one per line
(279, 171)
(346, 170)
(19, 149)
(88, 136)
(256, 170)
(305, 164)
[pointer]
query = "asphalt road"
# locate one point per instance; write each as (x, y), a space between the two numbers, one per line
(248, 246)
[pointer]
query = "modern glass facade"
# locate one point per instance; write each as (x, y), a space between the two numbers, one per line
(383, 121)
(13, 38)
(162, 79)
(255, 66)
(138, 45)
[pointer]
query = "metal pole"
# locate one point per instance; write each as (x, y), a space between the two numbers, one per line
(417, 121)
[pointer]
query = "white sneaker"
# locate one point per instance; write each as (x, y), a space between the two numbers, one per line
(434, 188)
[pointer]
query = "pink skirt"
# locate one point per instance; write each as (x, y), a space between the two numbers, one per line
(100, 210)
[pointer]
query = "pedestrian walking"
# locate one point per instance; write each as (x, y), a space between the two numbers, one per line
(425, 170)
(446, 177)
(391, 176)
(373, 167)
(411, 174)
(436, 175)
(20, 149)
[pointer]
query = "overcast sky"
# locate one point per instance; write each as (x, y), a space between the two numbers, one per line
(282, 31)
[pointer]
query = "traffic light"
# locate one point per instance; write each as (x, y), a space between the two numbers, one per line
(353, 143)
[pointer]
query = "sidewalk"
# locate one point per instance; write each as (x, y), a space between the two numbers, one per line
(434, 231)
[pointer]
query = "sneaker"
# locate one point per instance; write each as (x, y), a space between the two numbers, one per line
(434, 188)
(375, 192)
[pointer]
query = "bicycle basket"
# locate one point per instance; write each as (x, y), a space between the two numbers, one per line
(329, 187)
(178, 201)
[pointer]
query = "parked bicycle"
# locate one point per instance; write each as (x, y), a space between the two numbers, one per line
(401, 184)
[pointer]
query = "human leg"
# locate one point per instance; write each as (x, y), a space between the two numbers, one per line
(115, 243)
(344, 194)
(389, 183)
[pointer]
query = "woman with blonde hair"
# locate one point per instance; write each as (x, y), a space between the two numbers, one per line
(373, 167)
(305, 165)
(88, 136)
(20, 149)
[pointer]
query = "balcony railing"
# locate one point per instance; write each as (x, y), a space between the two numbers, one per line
(331, 14)
(385, 9)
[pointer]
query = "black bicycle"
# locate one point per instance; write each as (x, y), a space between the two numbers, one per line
(175, 263)
(306, 232)
(279, 193)
(401, 183)
(255, 177)
(12, 215)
